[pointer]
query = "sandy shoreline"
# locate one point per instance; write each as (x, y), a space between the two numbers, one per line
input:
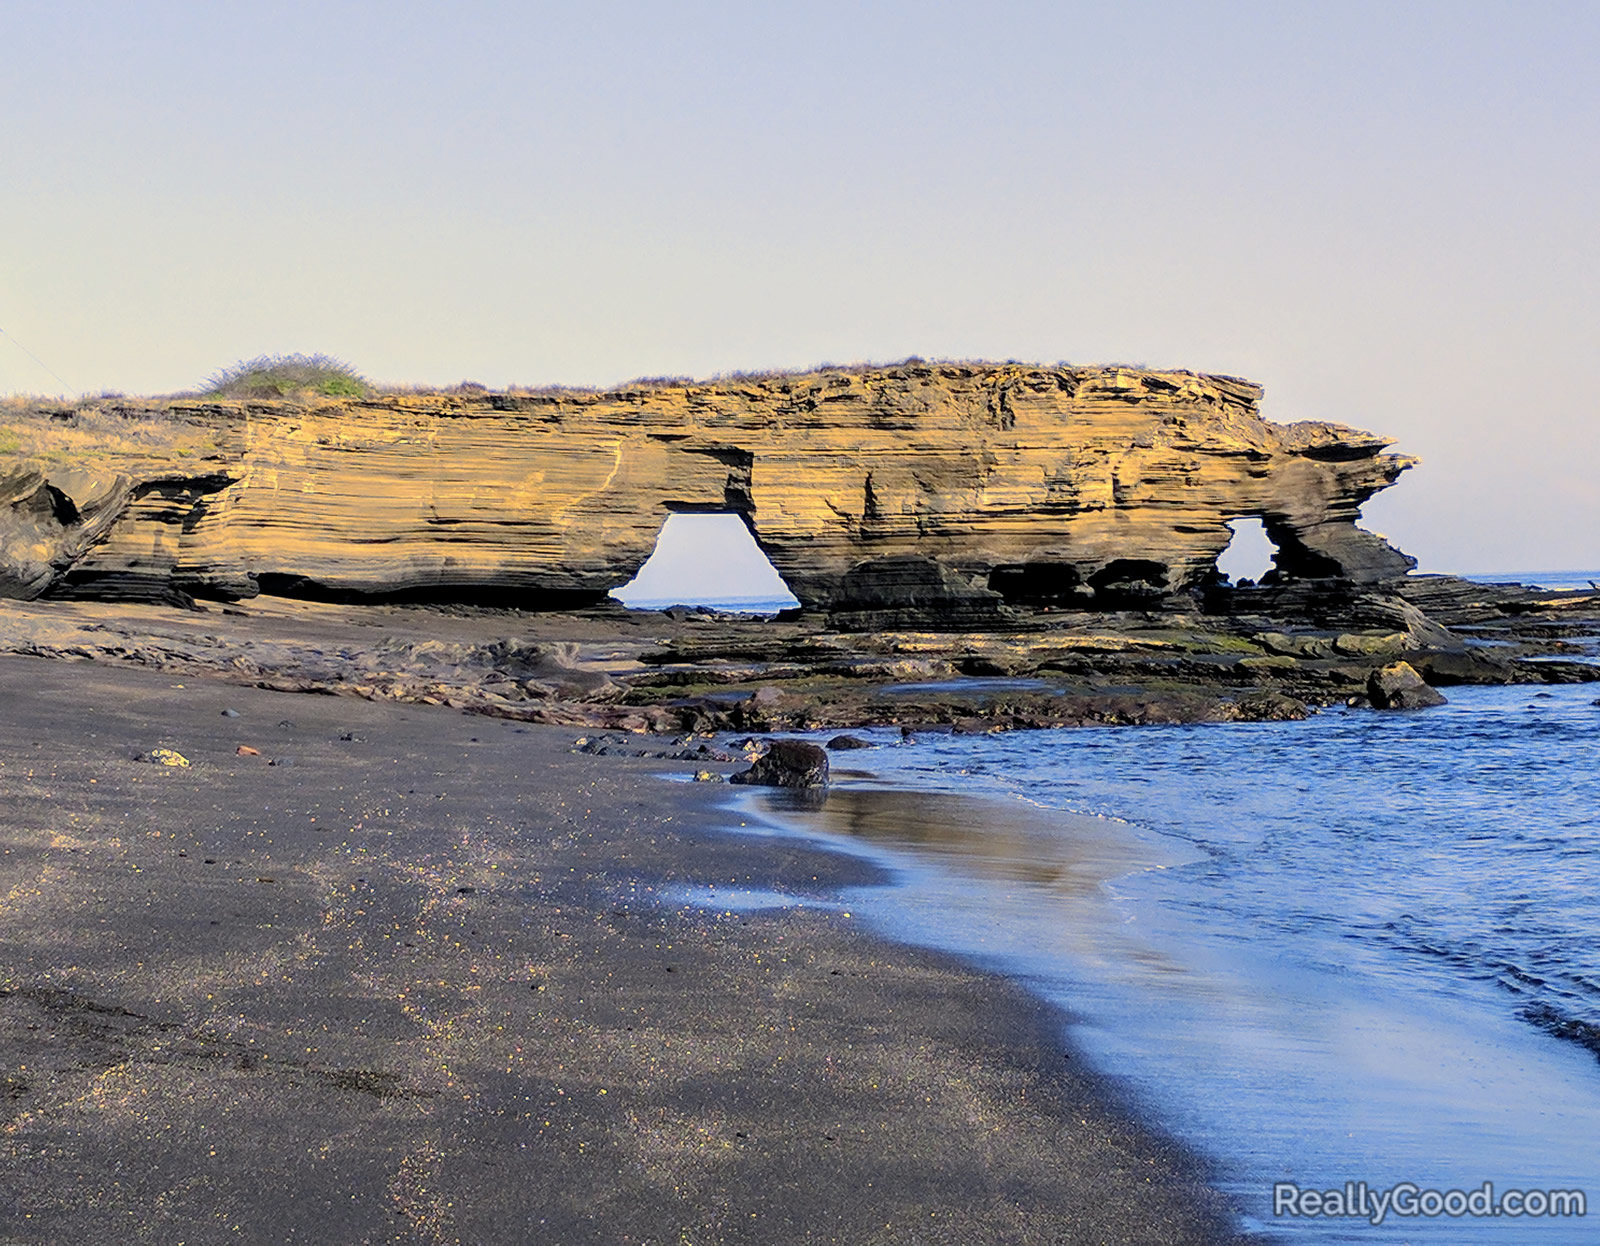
(412, 983)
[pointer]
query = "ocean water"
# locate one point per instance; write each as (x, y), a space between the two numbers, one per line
(769, 604)
(1543, 579)
(1360, 948)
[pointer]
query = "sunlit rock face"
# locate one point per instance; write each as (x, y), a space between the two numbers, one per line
(951, 493)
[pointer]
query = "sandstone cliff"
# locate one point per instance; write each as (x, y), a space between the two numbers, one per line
(946, 492)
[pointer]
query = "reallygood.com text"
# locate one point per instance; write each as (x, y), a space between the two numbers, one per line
(1358, 1200)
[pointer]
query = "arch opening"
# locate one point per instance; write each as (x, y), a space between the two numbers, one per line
(1250, 555)
(707, 559)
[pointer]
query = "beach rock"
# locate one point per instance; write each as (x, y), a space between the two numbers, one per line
(1271, 707)
(1556, 671)
(1451, 600)
(772, 709)
(1399, 687)
(602, 745)
(1276, 663)
(841, 743)
(165, 757)
(947, 494)
(1369, 646)
(1472, 666)
(787, 763)
(1279, 644)
(46, 525)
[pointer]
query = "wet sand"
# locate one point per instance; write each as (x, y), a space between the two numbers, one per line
(414, 983)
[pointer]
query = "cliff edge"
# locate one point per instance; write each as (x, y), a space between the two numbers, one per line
(934, 493)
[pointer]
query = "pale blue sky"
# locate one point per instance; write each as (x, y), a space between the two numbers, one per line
(1386, 213)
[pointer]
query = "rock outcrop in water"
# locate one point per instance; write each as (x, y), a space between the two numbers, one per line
(1399, 687)
(950, 494)
(787, 763)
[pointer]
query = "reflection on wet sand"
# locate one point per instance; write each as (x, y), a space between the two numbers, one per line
(1010, 841)
(997, 875)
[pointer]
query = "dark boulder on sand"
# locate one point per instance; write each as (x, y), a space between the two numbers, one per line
(788, 763)
(1399, 687)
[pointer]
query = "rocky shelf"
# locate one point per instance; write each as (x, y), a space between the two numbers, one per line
(934, 494)
(934, 520)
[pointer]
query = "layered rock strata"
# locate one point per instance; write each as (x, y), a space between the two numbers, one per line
(944, 493)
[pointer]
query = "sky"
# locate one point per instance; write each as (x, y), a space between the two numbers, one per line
(1385, 213)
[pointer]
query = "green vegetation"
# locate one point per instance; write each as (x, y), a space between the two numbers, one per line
(284, 376)
(10, 443)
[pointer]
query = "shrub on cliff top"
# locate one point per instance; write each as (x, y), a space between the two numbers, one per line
(281, 376)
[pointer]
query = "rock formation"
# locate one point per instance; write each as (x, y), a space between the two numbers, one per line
(787, 763)
(1399, 687)
(945, 493)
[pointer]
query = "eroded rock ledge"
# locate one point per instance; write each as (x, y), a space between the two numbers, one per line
(919, 494)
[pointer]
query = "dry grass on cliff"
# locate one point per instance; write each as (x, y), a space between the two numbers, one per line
(314, 380)
(642, 382)
(738, 377)
(96, 433)
(767, 376)
(753, 376)
(471, 388)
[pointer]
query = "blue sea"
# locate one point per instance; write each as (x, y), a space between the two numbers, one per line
(1363, 948)
(762, 605)
(1544, 579)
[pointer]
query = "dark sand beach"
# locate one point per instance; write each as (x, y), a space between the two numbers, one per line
(404, 975)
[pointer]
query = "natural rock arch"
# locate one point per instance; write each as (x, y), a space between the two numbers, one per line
(1250, 554)
(706, 557)
(939, 494)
